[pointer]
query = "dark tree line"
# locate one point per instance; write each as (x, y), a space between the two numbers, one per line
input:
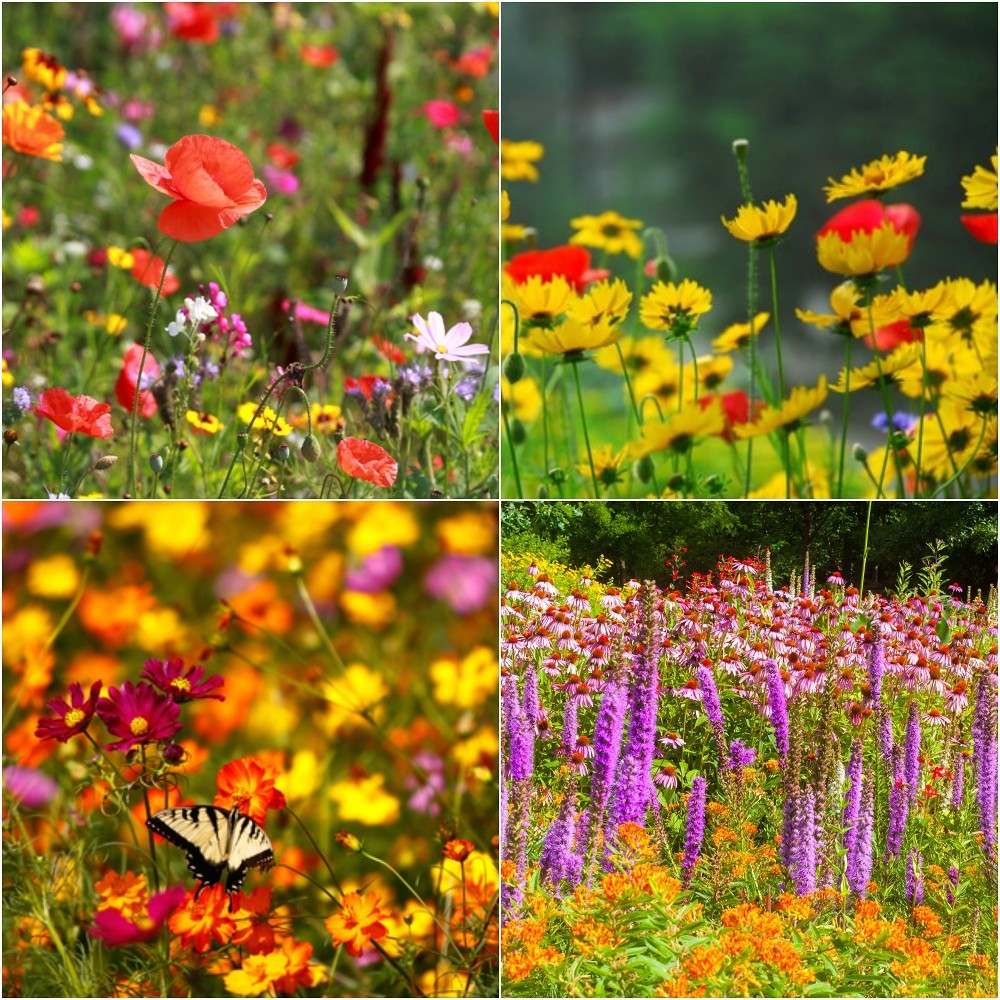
(641, 537)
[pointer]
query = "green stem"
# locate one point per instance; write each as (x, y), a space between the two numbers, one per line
(847, 410)
(968, 462)
(131, 481)
(307, 600)
(864, 557)
(513, 452)
(583, 420)
(923, 410)
(777, 325)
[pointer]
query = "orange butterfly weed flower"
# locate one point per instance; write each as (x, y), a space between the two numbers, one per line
(32, 131)
(211, 182)
(249, 784)
(359, 922)
(199, 922)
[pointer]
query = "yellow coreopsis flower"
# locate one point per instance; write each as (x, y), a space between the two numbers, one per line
(203, 423)
(864, 253)
(950, 439)
(572, 338)
(712, 372)
(970, 310)
(267, 420)
(758, 223)
(882, 174)
(44, 69)
(879, 371)
(605, 302)
(977, 392)
(608, 466)
(921, 308)
(679, 431)
(517, 160)
(608, 231)
(675, 307)
(981, 187)
(542, 303)
(737, 336)
(117, 257)
(944, 360)
(641, 354)
(525, 397)
(788, 416)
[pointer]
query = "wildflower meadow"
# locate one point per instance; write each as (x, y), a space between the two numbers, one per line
(746, 780)
(250, 250)
(319, 677)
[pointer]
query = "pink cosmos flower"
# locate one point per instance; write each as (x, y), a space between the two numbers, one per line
(182, 684)
(115, 930)
(450, 346)
(138, 713)
(442, 114)
(69, 718)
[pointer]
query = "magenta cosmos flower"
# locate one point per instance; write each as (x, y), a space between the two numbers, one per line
(182, 684)
(452, 345)
(116, 930)
(138, 714)
(69, 719)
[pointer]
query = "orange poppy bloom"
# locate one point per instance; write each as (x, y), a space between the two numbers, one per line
(31, 131)
(211, 182)
(147, 269)
(359, 922)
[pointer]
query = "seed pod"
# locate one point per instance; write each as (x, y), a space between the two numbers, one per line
(310, 448)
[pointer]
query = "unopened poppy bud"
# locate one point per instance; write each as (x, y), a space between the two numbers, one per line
(10, 436)
(281, 453)
(644, 469)
(557, 475)
(11, 81)
(513, 368)
(740, 148)
(75, 287)
(156, 463)
(310, 448)
(348, 840)
(517, 432)
(543, 493)
(105, 462)
(269, 216)
(859, 453)
(339, 284)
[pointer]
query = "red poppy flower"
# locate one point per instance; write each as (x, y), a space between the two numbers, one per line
(282, 156)
(366, 386)
(475, 62)
(194, 22)
(320, 56)
(75, 413)
(211, 182)
(982, 227)
(147, 269)
(389, 350)
(366, 460)
(867, 215)
(572, 262)
(892, 335)
(127, 378)
(491, 119)
(735, 410)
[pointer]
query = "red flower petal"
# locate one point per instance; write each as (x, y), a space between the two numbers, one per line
(75, 413)
(365, 460)
(867, 215)
(982, 227)
(125, 386)
(572, 262)
(491, 119)
(147, 269)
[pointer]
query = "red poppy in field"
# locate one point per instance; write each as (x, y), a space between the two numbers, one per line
(211, 182)
(249, 784)
(491, 119)
(138, 714)
(888, 337)
(868, 215)
(319, 56)
(75, 413)
(475, 62)
(982, 227)
(198, 22)
(147, 269)
(69, 718)
(128, 378)
(367, 386)
(735, 410)
(365, 460)
(572, 262)
(115, 929)
(282, 156)
(182, 684)
(389, 350)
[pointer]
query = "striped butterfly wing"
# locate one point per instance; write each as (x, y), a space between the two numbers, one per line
(203, 833)
(249, 847)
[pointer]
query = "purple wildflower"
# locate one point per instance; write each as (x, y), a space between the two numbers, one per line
(695, 829)
(899, 809)
(713, 707)
(138, 714)
(958, 782)
(853, 798)
(804, 849)
(779, 707)
(570, 730)
(557, 848)
(32, 789)
(876, 667)
(377, 572)
(520, 733)
(911, 752)
(984, 751)
(634, 790)
(70, 718)
(529, 700)
(885, 740)
(860, 858)
(182, 684)
(740, 756)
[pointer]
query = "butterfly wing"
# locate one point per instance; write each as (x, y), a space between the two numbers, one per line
(202, 832)
(249, 847)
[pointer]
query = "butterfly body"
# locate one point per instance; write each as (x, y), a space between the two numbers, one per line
(215, 842)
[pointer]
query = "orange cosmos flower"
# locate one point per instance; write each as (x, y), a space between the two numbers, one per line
(256, 928)
(199, 922)
(359, 922)
(458, 850)
(250, 785)
(297, 970)
(257, 975)
(31, 131)
(128, 893)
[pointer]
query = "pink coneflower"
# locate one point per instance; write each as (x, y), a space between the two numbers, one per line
(666, 776)
(533, 569)
(835, 579)
(689, 690)
(545, 586)
(70, 718)
(936, 718)
(577, 764)
(578, 601)
(671, 740)
(582, 695)
(182, 685)
(956, 698)
(138, 714)
(612, 600)
(584, 747)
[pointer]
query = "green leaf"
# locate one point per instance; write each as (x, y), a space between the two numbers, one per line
(473, 423)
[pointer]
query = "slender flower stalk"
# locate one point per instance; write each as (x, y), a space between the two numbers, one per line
(570, 727)
(899, 808)
(557, 848)
(860, 859)
(804, 849)
(852, 805)
(695, 829)
(779, 707)
(911, 753)
(713, 710)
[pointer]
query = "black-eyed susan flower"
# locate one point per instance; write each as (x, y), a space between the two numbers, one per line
(952, 438)
(970, 310)
(43, 68)
(981, 187)
(680, 430)
(571, 339)
(267, 420)
(865, 252)
(737, 336)
(884, 371)
(882, 174)
(605, 302)
(610, 232)
(801, 401)
(759, 223)
(543, 303)
(675, 308)
(518, 159)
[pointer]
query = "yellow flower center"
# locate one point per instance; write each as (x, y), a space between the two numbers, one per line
(73, 717)
(441, 349)
(138, 726)
(874, 174)
(180, 684)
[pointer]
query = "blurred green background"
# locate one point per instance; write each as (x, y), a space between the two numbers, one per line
(637, 105)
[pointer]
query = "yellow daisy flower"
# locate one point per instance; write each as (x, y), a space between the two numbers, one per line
(608, 466)
(608, 231)
(737, 336)
(864, 253)
(543, 303)
(921, 308)
(517, 160)
(326, 418)
(756, 223)
(525, 397)
(885, 370)
(977, 393)
(969, 311)
(641, 354)
(572, 338)
(882, 174)
(675, 307)
(267, 421)
(844, 301)
(43, 68)
(679, 431)
(981, 187)
(788, 417)
(712, 372)
(943, 354)
(504, 206)
(117, 257)
(607, 301)
(205, 423)
(950, 440)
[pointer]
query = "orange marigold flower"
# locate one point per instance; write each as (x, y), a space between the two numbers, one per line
(249, 784)
(359, 922)
(199, 922)
(32, 131)
(127, 893)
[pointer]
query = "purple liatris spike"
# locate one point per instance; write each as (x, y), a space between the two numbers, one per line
(885, 732)
(788, 819)
(557, 847)
(740, 756)
(958, 782)
(899, 808)
(911, 753)
(520, 732)
(852, 803)
(952, 883)
(860, 859)
(695, 829)
(804, 848)
(529, 700)
(569, 731)
(876, 666)
(779, 707)
(608, 738)
(984, 753)
(713, 707)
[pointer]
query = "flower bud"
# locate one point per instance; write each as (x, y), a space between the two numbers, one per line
(740, 148)
(156, 463)
(859, 453)
(339, 284)
(518, 434)
(10, 436)
(543, 493)
(666, 268)
(105, 462)
(513, 368)
(173, 753)
(557, 475)
(281, 453)
(310, 448)
(643, 469)
(348, 840)
(676, 482)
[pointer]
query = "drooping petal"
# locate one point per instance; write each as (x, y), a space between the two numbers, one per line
(154, 174)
